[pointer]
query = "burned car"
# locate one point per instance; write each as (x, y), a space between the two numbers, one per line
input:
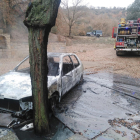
(65, 70)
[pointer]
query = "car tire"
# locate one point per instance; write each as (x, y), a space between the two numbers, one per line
(117, 53)
(53, 102)
(81, 79)
(120, 53)
(97, 35)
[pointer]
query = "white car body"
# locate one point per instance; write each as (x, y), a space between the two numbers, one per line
(16, 85)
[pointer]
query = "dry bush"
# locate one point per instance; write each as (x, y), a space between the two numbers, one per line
(6, 14)
(61, 38)
(82, 33)
(61, 26)
(93, 19)
(79, 30)
(68, 42)
(104, 23)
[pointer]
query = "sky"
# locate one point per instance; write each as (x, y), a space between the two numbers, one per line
(109, 3)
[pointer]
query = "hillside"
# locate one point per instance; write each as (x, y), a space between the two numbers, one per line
(98, 19)
(91, 19)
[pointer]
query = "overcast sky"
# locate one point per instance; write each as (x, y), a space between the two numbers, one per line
(109, 3)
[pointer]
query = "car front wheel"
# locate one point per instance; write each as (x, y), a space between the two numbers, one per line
(97, 35)
(81, 79)
(53, 103)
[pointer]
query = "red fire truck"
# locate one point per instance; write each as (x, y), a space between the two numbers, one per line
(127, 36)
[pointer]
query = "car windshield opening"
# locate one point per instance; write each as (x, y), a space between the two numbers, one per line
(53, 66)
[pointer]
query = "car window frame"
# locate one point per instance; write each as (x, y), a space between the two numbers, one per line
(16, 68)
(62, 66)
(27, 57)
(76, 59)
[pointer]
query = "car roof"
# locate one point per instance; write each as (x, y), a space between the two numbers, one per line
(57, 54)
(49, 54)
(98, 30)
(54, 54)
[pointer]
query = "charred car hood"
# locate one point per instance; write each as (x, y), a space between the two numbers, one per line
(16, 85)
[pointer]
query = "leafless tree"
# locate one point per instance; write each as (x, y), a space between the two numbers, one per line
(5, 14)
(72, 12)
(10, 10)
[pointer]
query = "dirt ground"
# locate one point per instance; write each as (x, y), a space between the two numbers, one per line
(100, 55)
(97, 54)
(77, 110)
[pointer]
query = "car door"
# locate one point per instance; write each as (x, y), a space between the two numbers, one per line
(94, 33)
(77, 70)
(67, 75)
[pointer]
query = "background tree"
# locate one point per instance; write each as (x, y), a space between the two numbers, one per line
(11, 11)
(40, 17)
(133, 11)
(6, 15)
(71, 13)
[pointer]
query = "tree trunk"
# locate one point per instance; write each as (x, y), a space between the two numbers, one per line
(40, 17)
(38, 38)
(70, 30)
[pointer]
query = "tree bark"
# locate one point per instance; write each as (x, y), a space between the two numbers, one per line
(70, 30)
(38, 38)
(40, 17)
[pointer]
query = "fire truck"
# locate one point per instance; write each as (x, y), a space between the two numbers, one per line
(127, 36)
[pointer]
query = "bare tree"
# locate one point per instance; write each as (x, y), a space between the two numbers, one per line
(71, 13)
(6, 17)
(10, 10)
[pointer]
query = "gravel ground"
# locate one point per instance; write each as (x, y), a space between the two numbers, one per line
(97, 54)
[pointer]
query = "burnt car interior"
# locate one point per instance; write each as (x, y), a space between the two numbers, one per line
(67, 65)
(53, 67)
(25, 70)
(75, 61)
(67, 68)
